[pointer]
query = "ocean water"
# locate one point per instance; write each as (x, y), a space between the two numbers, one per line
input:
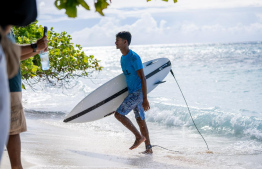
(221, 84)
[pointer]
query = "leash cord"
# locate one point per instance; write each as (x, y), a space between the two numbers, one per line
(165, 148)
(188, 108)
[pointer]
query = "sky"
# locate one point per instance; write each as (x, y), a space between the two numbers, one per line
(159, 22)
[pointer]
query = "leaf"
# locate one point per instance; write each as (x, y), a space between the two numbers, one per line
(84, 4)
(57, 53)
(23, 86)
(68, 5)
(71, 8)
(100, 5)
(61, 4)
(34, 69)
(86, 59)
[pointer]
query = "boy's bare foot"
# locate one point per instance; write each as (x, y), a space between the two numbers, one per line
(147, 151)
(137, 142)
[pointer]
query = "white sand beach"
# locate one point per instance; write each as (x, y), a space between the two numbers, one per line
(50, 143)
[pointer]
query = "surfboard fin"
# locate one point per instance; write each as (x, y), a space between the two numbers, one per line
(159, 82)
(151, 63)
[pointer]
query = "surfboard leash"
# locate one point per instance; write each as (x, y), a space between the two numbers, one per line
(165, 148)
(188, 108)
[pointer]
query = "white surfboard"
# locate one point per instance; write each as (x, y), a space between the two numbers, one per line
(4, 105)
(103, 101)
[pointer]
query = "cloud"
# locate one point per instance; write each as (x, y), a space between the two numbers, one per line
(158, 22)
(185, 4)
(103, 33)
(259, 16)
(147, 30)
(144, 29)
(135, 8)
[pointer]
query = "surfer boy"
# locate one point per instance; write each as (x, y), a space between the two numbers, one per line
(136, 100)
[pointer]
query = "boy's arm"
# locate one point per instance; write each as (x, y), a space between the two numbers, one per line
(41, 45)
(26, 56)
(141, 75)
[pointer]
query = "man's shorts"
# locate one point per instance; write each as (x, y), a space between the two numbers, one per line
(18, 123)
(133, 102)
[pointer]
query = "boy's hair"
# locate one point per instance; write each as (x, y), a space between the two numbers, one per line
(125, 35)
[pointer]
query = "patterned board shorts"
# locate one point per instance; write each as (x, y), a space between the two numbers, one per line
(133, 102)
(18, 123)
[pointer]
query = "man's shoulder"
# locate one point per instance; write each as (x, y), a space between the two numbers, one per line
(134, 56)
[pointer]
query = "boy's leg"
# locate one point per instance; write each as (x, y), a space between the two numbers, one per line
(128, 124)
(127, 105)
(144, 130)
(18, 125)
(14, 151)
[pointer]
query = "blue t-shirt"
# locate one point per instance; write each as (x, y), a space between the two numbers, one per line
(15, 84)
(130, 63)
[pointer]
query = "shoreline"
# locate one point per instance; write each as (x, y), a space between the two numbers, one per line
(50, 143)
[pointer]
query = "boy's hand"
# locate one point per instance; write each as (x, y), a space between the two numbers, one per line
(38, 51)
(42, 43)
(145, 105)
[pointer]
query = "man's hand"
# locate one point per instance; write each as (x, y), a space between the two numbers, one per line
(42, 43)
(38, 51)
(145, 105)
(46, 49)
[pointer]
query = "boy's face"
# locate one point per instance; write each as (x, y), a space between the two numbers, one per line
(120, 43)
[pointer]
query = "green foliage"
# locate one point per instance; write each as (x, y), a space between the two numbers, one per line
(66, 61)
(71, 6)
(100, 6)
